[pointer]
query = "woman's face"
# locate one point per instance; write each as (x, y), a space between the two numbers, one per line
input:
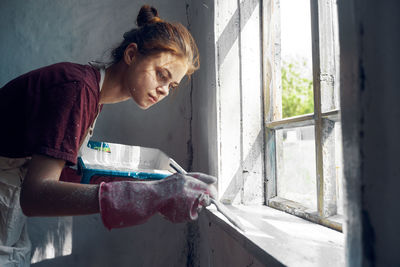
(150, 78)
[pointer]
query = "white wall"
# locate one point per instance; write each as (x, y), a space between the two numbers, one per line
(228, 38)
(227, 103)
(239, 102)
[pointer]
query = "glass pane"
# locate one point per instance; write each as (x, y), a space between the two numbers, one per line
(296, 59)
(339, 167)
(296, 178)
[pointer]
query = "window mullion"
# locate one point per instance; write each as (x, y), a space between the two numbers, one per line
(323, 73)
(317, 105)
(271, 87)
(292, 122)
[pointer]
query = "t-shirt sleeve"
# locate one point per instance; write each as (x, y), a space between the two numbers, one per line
(65, 112)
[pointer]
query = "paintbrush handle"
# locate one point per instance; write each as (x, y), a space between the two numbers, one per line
(176, 167)
(220, 207)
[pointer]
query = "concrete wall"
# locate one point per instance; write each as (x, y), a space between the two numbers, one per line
(83, 241)
(217, 247)
(41, 32)
(204, 93)
(239, 101)
(370, 41)
(227, 104)
(225, 32)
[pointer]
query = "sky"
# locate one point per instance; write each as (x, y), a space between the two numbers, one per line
(296, 29)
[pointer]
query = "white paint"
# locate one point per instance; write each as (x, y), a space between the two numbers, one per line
(239, 102)
(252, 112)
(228, 97)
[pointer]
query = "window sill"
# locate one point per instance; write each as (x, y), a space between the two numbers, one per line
(290, 240)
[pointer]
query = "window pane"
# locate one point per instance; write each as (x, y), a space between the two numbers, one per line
(339, 167)
(296, 59)
(296, 166)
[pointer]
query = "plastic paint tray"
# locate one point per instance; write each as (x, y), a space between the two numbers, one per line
(109, 159)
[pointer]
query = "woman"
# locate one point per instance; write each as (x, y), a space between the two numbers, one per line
(50, 111)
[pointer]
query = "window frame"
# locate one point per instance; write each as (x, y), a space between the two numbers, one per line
(326, 109)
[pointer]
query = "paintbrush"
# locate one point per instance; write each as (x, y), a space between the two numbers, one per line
(220, 207)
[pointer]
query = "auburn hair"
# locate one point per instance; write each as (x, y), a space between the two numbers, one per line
(155, 35)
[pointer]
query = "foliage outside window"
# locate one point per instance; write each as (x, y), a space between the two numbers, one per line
(297, 89)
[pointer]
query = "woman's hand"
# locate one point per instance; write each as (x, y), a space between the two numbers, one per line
(178, 198)
(183, 196)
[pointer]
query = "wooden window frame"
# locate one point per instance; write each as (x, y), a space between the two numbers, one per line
(326, 109)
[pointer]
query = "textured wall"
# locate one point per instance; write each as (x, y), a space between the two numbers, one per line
(204, 124)
(370, 113)
(219, 147)
(156, 243)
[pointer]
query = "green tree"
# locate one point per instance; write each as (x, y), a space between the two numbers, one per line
(297, 89)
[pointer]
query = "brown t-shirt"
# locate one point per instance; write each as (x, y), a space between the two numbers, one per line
(48, 111)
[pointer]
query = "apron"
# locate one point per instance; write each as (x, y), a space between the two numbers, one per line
(15, 245)
(102, 69)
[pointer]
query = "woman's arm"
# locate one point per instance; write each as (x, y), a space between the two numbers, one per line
(125, 203)
(42, 193)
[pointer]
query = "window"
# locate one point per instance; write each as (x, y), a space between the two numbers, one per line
(301, 108)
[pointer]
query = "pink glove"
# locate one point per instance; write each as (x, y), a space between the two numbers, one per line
(178, 198)
(179, 207)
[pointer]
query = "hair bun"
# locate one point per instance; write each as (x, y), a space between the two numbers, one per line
(147, 15)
